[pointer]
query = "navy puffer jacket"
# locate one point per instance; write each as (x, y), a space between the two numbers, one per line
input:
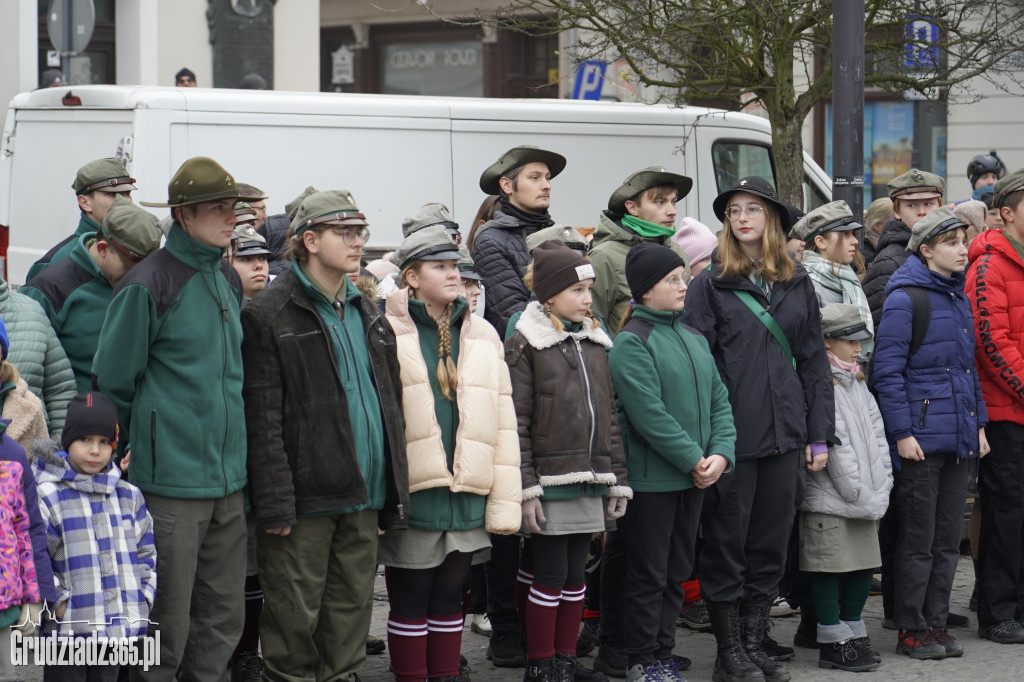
(933, 395)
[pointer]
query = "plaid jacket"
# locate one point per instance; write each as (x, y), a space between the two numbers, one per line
(100, 540)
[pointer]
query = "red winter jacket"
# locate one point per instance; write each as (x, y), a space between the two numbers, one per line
(995, 289)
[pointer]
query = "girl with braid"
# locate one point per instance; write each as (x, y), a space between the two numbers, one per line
(463, 451)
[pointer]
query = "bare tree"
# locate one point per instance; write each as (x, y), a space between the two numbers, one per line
(765, 51)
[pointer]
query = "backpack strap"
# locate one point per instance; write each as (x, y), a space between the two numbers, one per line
(921, 309)
(768, 321)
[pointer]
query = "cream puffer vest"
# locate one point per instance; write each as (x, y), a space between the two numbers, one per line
(486, 460)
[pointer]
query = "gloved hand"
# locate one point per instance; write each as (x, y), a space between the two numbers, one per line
(533, 515)
(616, 508)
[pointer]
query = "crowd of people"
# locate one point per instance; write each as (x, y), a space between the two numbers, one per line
(218, 425)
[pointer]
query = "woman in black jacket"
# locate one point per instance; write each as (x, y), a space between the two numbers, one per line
(747, 517)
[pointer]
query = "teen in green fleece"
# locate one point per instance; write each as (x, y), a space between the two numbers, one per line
(170, 358)
(678, 430)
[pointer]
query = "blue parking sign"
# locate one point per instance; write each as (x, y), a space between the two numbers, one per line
(589, 80)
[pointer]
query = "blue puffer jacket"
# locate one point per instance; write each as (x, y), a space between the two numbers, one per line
(934, 395)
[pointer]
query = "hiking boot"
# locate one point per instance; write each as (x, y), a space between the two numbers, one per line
(948, 642)
(506, 649)
(587, 640)
(731, 662)
(480, 624)
(375, 646)
(845, 656)
(775, 651)
(694, 615)
(754, 618)
(955, 620)
(610, 661)
(540, 671)
(919, 644)
(247, 667)
(864, 644)
(569, 669)
(1005, 632)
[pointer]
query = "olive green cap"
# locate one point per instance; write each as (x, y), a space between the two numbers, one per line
(104, 175)
(430, 243)
(133, 228)
(249, 242)
(427, 215)
(292, 206)
(843, 321)
(916, 184)
(566, 234)
(200, 179)
(932, 225)
(1011, 183)
(467, 268)
(514, 158)
(335, 206)
(832, 216)
(643, 180)
(244, 213)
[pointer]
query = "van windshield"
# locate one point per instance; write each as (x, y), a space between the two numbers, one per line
(735, 160)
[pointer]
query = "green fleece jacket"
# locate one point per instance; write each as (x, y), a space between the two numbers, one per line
(170, 358)
(611, 291)
(87, 227)
(75, 295)
(439, 508)
(673, 407)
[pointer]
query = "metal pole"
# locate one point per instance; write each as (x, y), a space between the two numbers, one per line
(65, 56)
(848, 103)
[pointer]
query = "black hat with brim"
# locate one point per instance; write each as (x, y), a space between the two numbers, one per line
(759, 187)
(653, 176)
(516, 157)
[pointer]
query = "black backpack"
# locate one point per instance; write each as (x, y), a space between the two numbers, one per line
(921, 311)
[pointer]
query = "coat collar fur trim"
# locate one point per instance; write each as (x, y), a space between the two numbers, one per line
(538, 331)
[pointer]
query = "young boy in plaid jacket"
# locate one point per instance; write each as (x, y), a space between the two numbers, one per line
(99, 534)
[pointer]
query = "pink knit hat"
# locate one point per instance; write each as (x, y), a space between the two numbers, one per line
(696, 239)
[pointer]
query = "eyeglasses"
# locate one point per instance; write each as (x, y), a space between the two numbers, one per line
(350, 235)
(677, 282)
(129, 258)
(734, 212)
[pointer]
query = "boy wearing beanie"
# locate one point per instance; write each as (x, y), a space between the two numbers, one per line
(94, 551)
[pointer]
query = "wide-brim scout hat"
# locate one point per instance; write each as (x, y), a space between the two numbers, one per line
(200, 179)
(931, 226)
(467, 268)
(430, 243)
(826, 218)
(516, 157)
(103, 175)
(759, 187)
(132, 228)
(427, 215)
(652, 176)
(843, 321)
(334, 207)
(1011, 183)
(916, 184)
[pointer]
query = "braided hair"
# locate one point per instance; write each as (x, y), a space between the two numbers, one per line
(447, 373)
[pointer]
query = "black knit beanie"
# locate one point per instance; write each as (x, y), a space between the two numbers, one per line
(556, 267)
(646, 264)
(89, 414)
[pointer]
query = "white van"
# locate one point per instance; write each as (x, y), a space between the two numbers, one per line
(394, 153)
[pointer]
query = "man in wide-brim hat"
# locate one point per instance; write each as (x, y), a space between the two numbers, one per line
(169, 356)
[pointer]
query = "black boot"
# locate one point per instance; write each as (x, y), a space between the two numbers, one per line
(755, 623)
(541, 671)
(846, 655)
(731, 663)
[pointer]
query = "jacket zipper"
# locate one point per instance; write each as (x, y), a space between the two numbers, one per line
(223, 372)
(400, 508)
(339, 306)
(924, 410)
(152, 444)
(696, 386)
(592, 420)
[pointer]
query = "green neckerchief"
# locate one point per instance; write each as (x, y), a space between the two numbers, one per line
(647, 229)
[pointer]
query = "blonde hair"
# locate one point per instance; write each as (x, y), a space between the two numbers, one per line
(447, 372)
(8, 373)
(775, 266)
(555, 322)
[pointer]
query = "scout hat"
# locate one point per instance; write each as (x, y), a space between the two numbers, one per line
(430, 243)
(249, 242)
(563, 233)
(916, 184)
(843, 321)
(292, 206)
(132, 228)
(646, 264)
(467, 268)
(932, 225)
(642, 180)
(103, 175)
(514, 158)
(333, 207)
(244, 213)
(200, 179)
(430, 214)
(1011, 183)
(826, 218)
(556, 267)
(758, 187)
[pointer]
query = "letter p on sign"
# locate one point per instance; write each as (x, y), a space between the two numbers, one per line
(589, 80)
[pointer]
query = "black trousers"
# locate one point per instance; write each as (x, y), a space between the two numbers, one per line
(661, 534)
(613, 577)
(501, 573)
(747, 519)
(888, 536)
(931, 499)
(1000, 558)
